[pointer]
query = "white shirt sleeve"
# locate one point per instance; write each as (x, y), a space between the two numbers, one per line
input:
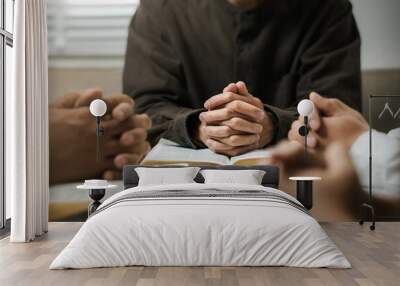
(385, 162)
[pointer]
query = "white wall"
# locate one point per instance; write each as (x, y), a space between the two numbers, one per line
(379, 23)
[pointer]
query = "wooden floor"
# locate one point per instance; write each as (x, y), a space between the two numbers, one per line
(375, 257)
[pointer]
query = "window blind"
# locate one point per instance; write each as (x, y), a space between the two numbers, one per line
(86, 33)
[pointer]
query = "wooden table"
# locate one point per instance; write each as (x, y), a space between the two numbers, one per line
(375, 257)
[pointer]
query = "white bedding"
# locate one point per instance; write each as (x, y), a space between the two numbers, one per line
(202, 231)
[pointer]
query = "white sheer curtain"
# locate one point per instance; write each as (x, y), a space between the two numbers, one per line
(27, 124)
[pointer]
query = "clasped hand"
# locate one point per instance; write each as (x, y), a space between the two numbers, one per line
(73, 137)
(332, 121)
(235, 122)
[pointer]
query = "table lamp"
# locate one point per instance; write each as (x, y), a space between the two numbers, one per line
(304, 185)
(98, 108)
(305, 109)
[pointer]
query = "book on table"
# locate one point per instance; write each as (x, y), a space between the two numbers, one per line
(167, 152)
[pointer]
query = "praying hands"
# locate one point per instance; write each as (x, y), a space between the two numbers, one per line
(72, 133)
(331, 122)
(235, 122)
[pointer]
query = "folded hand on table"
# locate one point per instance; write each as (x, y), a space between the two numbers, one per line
(73, 137)
(339, 193)
(334, 163)
(235, 122)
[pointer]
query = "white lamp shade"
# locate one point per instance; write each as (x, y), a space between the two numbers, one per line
(305, 107)
(98, 107)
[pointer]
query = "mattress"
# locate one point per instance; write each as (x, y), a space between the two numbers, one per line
(201, 225)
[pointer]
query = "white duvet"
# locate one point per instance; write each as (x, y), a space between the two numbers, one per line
(200, 231)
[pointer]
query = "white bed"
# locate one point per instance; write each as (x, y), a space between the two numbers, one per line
(222, 225)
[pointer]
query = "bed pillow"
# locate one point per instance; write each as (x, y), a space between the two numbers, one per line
(166, 176)
(244, 177)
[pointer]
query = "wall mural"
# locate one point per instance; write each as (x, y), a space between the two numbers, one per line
(91, 58)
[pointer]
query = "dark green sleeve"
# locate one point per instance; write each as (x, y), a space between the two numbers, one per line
(153, 77)
(283, 119)
(329, 65)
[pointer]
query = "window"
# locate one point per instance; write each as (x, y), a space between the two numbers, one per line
(88, 33)
(6, 43)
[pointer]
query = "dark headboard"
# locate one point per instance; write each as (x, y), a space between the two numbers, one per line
(271, 178)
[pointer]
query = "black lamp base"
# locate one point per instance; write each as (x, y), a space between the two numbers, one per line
(96, 195)
(304, 193)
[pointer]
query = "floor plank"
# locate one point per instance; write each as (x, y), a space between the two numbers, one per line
(375, 257)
